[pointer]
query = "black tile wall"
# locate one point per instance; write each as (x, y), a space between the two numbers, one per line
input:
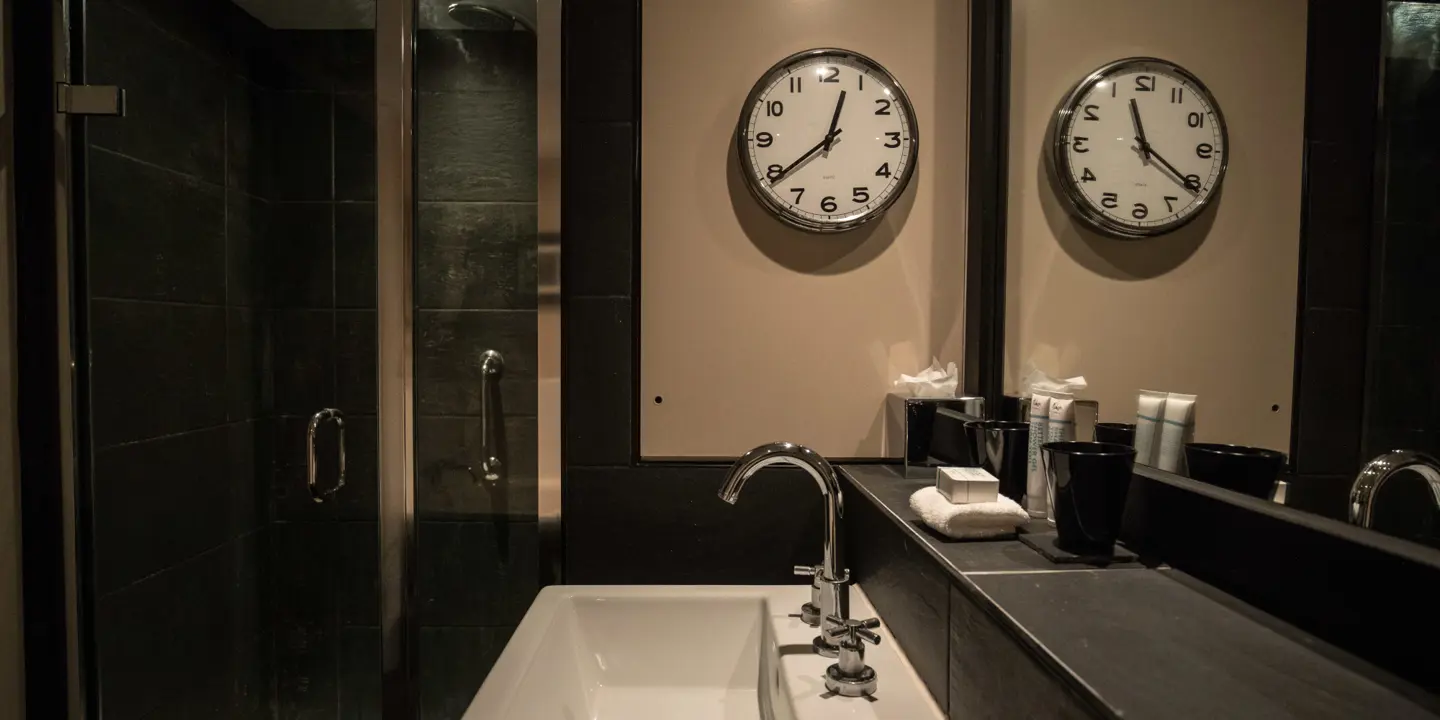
(298, 254)
(598, 414)
(1330, 392)
(156, 369)
(602, 92)
(456, 660)
(476, 147)
(599, 246)
(666, 525)
(175, 96)
(476, 255)
(302, 145)
(355, 255)
(448, 453)
(170, 247)
(476, 574)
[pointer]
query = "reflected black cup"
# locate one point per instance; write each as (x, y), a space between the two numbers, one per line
(1118, 433)
(1091, 481)
(1249, 470)
(1002, 448)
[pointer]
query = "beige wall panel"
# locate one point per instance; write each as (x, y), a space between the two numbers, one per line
(751, 331)
(1209, 309)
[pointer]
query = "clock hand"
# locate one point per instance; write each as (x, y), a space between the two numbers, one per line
(1176, 173)
(818, 147)
(835, 120)
(1139, 129)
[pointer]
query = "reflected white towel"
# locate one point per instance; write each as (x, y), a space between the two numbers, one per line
(967, 522)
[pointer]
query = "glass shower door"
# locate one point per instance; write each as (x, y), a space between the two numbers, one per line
(224, 292)
(476, 314)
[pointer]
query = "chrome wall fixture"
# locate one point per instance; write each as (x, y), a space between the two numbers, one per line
(492, 419)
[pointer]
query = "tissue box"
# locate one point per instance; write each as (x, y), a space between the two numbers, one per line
(966, 486)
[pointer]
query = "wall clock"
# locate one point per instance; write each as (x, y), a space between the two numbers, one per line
(827, 140)
(1138, 148)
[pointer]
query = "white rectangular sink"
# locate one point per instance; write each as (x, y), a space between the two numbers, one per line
(694, 652)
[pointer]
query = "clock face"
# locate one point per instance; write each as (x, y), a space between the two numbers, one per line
(827, 140)
(1139, 148)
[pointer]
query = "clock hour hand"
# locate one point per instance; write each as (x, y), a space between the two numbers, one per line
(1139, 129)
(823, 144)
(835, 120)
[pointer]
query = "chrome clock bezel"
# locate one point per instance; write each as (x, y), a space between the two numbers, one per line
(1057, 160)
(749, 172)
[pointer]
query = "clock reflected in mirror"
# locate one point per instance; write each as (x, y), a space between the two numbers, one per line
(827, 140)
(1138, 148)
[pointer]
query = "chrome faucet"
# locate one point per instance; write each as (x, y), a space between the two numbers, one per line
(1381, 469)
(829, 593)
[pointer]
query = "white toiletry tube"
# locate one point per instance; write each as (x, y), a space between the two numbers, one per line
(1035, 500)
(1060, 427)
(1177, 428)
(1150, 412)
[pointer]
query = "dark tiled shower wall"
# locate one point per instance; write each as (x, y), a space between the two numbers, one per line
(1404, 381)
(179, 465)
(476, 243)
(475, 290)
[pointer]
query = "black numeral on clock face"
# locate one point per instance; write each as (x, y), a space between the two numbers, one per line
(884, 170)
(774, 172)
(1204, 150)
(764, 139)
(774, 108)
(827, 204)
(1087, 176)
(1140, 211)
(1144, 83)
(1090, 112)
(1170, 203)
(894, 139)
(799, 193)
(884, 108)
(1195, 120)
(861, 195)
(1192, 182)
(832, 75)
(1177, 96)
(797, 84)
(1078, 144)
(1110, 200)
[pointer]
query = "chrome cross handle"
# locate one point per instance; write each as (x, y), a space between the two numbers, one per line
(851, 677)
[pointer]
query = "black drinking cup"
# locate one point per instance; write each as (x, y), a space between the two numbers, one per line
(1091, 481)
(1118, 433)
(1002, 448)
(1249, 470)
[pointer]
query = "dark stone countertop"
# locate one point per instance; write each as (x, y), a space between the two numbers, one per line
(1152, 642)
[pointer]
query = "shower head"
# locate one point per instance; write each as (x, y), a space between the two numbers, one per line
(489, 15)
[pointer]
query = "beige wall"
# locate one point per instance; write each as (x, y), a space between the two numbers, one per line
(12, 700)
(1207, 310)
(751, 331)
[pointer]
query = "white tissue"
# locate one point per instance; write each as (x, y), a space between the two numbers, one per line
(933, 382)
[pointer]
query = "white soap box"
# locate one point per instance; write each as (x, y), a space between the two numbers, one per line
(966, 485)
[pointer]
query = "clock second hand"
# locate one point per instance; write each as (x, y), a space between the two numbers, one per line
(823, 144)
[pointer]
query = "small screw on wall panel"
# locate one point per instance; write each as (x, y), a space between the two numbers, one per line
(1274, 408)
(659, 399)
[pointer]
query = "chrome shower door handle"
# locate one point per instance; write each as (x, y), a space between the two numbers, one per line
(311, 469)
(492, 419)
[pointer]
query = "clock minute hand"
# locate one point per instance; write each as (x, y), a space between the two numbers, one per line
(1176, 174)
(835, 120)
(818, 147)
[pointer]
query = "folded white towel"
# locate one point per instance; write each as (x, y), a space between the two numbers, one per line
(967, 522)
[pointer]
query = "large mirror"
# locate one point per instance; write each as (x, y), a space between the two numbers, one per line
(1287, 324)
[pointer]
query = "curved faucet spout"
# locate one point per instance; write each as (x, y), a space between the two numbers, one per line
(784, 453)
(1381, 469)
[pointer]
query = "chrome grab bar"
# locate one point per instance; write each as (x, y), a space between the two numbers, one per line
(492, 419)
(310, 465)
